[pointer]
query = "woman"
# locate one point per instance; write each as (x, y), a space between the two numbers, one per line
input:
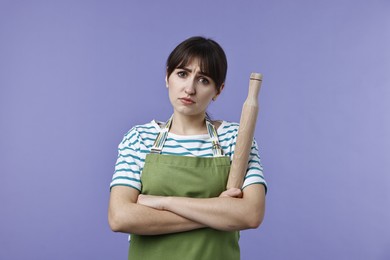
(168, 190)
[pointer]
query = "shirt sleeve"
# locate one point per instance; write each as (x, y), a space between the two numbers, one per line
(254, 173)
(127, 167)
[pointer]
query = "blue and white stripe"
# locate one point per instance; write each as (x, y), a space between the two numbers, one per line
(137, 143)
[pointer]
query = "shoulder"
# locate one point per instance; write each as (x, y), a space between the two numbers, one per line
(227, 132)
(141, 132)
(226, 127)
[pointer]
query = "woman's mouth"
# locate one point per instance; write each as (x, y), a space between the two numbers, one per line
(187, 101)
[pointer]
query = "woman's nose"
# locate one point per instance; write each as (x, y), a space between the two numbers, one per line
(190, 89)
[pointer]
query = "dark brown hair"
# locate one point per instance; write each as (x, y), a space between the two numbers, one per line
(212, 58)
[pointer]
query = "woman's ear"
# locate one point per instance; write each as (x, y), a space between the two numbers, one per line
(166, 81)
(221, 88)
(219, 91)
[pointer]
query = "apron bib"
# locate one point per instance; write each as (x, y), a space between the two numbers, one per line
(183, 176)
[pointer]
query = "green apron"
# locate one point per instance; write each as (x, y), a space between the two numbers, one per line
(183, 176)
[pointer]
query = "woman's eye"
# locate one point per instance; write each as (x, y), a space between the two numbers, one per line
(204, 81)
(182, 74)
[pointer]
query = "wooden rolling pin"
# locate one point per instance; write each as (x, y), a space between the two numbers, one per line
(246, 131)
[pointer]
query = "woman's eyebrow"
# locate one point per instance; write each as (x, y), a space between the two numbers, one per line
(185, 68)
(202, 73)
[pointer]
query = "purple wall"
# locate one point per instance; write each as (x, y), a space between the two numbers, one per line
(74, 74)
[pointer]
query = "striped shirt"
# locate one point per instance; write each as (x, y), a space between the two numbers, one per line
(136, 144)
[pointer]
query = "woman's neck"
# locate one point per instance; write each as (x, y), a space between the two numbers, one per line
(188, 125)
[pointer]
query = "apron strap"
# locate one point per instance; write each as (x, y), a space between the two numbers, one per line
(162, 136)
(217, 150)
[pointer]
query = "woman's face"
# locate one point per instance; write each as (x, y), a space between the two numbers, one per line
(190, 91)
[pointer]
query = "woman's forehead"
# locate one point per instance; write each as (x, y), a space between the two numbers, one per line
(194, 63)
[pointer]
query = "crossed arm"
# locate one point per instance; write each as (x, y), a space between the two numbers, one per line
(131, 212)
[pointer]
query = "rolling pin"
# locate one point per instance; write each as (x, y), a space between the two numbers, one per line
(246, 131)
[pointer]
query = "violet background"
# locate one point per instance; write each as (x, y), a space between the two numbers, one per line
(77, 75)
